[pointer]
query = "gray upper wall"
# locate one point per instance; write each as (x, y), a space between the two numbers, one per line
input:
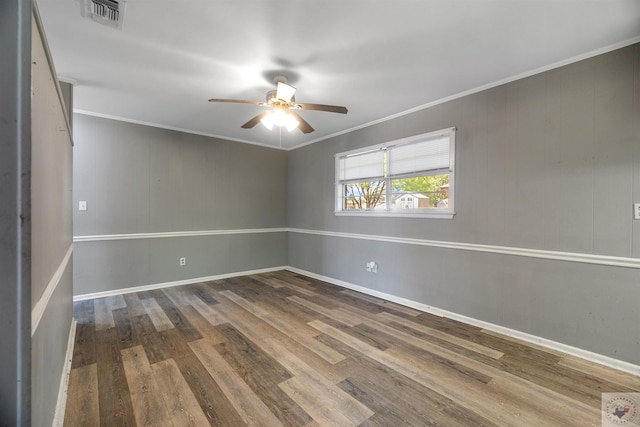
(51, 175)
(139, 179)
(67, 96)
(547, 162)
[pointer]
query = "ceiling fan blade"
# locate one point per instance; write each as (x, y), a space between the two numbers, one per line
(239, 101)
(254, 121)
(285, 92)
(322, 107)
(303, 126)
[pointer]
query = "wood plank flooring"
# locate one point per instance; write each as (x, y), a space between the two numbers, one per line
(280, 349)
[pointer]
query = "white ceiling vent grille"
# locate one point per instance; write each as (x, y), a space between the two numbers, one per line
(106, 12)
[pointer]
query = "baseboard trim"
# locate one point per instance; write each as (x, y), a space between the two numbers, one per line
(61, 405)
(544, 342)
(41, 306)
(174, 283)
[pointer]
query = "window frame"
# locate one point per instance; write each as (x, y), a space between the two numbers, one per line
(389, 211)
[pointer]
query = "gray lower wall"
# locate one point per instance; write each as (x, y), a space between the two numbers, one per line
(120, 264)
(549, 162)
(592, 307)
(139, 179)
(49, 350)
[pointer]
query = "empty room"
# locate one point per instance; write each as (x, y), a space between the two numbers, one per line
(320, 213)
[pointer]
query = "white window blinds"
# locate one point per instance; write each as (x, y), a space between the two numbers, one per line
(421, 156)
(362, 166)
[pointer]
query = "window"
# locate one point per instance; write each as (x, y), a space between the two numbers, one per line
(409, 177)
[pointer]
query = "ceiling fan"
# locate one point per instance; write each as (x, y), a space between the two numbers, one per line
(283, 105)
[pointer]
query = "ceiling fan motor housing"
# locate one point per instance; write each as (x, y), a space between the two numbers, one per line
(273, 99)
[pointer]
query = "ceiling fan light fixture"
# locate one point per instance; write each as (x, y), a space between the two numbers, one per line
(281, 102)
(279, 117)
(268, 120)
(291, 122)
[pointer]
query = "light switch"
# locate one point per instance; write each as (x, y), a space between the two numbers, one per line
(636, 211)
(82, 205)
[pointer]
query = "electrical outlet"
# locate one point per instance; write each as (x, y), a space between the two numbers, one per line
(183, 261)
(636, 211)
(372, 267)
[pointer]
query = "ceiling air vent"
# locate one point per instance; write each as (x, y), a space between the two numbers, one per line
(106, 12)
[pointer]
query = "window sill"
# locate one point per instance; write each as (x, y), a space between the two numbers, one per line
(395, 214)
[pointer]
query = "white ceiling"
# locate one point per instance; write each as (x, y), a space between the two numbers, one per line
(379, 58)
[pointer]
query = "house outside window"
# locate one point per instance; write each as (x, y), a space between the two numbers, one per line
(412, 177)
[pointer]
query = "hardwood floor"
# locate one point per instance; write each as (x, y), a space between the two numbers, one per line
(283, 349)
